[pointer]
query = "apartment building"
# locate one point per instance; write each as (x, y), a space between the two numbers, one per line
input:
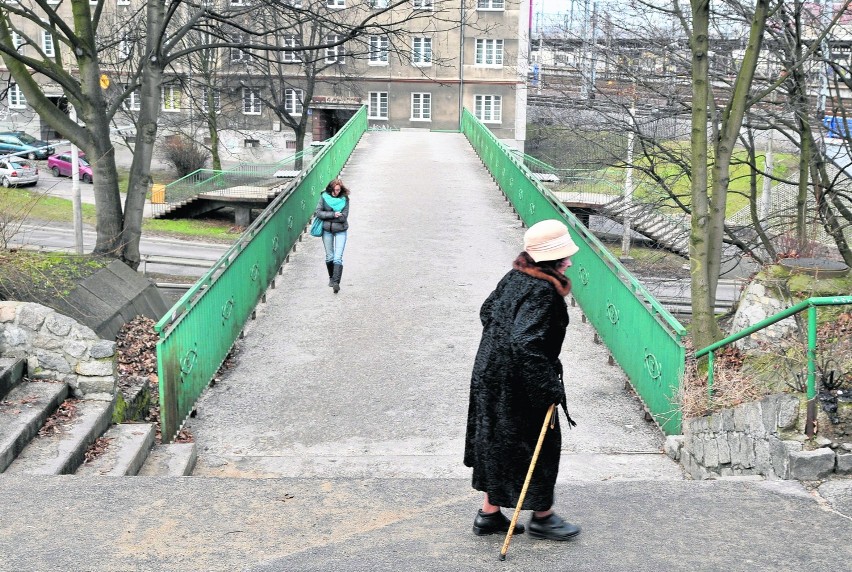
(446, 55)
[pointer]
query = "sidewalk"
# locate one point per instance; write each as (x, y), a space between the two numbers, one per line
(342, 423)
(122, 524)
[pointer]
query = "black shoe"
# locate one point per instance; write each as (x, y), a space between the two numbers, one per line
(330, 267)
(552, 527)
(485, 524)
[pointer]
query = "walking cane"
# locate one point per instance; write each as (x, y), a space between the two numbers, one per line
(541, 435)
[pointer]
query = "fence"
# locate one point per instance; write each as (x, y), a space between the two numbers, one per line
(811, 305)
(210, 180)
(198, 331)
(645, 340)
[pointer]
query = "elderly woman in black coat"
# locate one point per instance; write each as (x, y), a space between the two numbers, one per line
(516, 377)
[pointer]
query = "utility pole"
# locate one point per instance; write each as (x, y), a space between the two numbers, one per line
(585, 51)
(76, 199)
(628, 182)
(768, 167)
(593, 59)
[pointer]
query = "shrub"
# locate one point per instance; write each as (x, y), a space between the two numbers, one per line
(184, 154)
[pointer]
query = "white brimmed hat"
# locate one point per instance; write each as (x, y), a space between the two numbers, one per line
(549, 240)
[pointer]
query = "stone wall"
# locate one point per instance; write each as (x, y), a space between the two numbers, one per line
(57, 347)
(758, 302)
(759, 438)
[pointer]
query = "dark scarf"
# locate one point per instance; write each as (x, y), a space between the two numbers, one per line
(524, 263)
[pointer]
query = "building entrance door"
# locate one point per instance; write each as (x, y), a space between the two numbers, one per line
(327, 122)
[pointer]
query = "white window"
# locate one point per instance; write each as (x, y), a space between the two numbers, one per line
(488, 108)
(489, 52)
(171, 98)
(291, 41)
(421, 106)
(47, 44)
(16, 97)
(422, 4)
(17, 41)
(421, 51)
(378, 108)
(334, 54)
(293, 101)
(378, 50)
(206, 95)
(379, 3)
(335, 3)
(251, 101)
(133, 102)
(123, 2)
(239, 54)
(490, 4)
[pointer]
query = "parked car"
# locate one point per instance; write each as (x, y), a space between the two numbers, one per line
(61, 166)
(16, 172)
(18, 141)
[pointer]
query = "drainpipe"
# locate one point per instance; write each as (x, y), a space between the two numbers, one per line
(461, 61)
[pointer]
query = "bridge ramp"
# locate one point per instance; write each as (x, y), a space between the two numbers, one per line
(374, 381)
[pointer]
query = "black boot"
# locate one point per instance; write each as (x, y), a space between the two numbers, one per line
(330, 266)
(335, 277)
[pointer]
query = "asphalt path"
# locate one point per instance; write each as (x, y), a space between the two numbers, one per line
(53, 236)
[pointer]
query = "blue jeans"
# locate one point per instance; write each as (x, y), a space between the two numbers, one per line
(334, 244)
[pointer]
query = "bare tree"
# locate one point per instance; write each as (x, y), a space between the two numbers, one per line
(76, 66)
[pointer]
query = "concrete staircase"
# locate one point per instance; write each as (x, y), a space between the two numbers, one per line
(669, 232)
(32, 442)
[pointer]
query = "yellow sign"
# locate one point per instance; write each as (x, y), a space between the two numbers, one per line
(104, 81)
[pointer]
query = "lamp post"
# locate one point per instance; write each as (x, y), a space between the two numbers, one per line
(76, 199)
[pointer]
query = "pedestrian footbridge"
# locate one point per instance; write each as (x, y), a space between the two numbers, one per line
(344, 415)
(374, 380)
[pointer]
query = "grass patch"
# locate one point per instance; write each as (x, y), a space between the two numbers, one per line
(27, 204)
(209, 229)
(44, 276)
(24, 204)
(610, 180)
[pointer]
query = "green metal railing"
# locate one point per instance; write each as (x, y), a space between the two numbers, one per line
(643, 337)
(199, 330)
(209, 180)
(811, 305)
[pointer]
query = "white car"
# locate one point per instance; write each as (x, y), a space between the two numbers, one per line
(17, 172)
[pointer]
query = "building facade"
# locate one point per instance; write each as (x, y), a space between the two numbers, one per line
(416, 68)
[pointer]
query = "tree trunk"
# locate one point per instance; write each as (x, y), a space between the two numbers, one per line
(213, 129)
(702, 312)
(146, 135)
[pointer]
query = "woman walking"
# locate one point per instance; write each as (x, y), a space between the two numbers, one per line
(333, 210)
(516, 377)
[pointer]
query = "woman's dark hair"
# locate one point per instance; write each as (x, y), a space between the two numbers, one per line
(344, 192)
(552, 264)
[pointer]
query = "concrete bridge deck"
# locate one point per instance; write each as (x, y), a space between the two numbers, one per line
(343, 419)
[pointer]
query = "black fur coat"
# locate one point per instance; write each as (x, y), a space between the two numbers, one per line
(516, 377)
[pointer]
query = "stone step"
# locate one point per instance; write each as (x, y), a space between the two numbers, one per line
(125, 453)
(22, 413)
(11, 374)
(170, 460)
(62, 452)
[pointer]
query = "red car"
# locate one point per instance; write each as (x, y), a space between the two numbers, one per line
(61, 166)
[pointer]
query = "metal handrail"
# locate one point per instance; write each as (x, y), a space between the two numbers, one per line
(810, 305)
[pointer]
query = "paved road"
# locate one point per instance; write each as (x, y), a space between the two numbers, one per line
(53, 236)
